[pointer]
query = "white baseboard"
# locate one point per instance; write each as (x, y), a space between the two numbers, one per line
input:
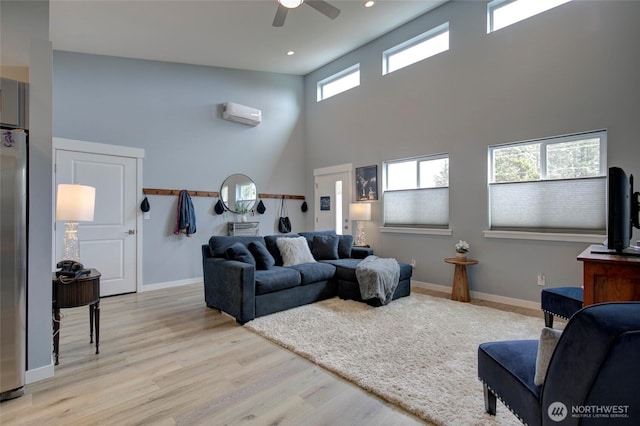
(169, 284)
(479, 295)
(40, 373)
(435, 287)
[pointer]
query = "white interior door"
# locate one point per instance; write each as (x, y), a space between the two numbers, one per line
(332, 198)
(109, 243)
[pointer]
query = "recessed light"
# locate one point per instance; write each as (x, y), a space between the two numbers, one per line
(290, 52)
(369, 3)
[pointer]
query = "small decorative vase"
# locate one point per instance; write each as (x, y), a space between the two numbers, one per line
(461, 256)
(243, 217)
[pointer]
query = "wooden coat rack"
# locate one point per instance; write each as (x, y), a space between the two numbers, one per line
(192, 193)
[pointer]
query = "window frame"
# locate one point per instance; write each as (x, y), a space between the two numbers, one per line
(553, 140)
(429, 229)
(531, 232)
(340, 75)
(495, 5)
(413, 42)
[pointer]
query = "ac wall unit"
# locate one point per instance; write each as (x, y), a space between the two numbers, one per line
(241, 114)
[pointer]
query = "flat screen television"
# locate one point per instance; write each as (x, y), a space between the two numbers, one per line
(622, 214)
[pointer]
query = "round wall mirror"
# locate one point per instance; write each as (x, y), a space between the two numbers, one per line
(239, 193)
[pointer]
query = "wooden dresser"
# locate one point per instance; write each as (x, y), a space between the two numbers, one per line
(609, 278)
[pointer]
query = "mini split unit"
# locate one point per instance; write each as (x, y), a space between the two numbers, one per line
(241, 114)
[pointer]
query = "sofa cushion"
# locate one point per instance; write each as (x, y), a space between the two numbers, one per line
(218, 244)
(294, 251)
(314, 272)
(344, 246)
(548, 341)
(310, 234)
(276, 278)
(271, 242)
(325, 247)
(262, 257)
(346, 269)
(240, 252)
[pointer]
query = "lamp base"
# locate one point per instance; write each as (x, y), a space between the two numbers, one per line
(361, 237)
(70, 246)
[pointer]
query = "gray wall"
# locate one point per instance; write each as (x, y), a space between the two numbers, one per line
(172, 112)
(570, 69)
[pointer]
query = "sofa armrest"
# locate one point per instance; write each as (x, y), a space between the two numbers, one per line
(359, 252)
(230, 286)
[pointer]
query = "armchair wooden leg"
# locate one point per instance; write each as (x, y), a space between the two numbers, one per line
(548, 320)
(489, 401)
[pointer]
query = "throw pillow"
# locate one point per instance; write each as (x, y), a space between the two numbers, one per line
(264, 260)
(548, 340)
(240, 252)
(344, 246)
(294, 251)
(325, 247)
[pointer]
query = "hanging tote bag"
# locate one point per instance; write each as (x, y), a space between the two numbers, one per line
(261, 208)
(284, 224)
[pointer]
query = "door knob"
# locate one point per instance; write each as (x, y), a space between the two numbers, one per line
(131, 231)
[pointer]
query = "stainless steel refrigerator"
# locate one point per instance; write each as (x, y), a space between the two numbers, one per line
(13, 261)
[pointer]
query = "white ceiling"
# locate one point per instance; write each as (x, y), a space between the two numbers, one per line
(224, 33)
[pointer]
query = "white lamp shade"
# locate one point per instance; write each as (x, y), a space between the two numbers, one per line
(75, 202)
(360, 211)
(290, 4)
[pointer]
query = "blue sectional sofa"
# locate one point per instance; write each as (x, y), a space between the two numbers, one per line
(249, 286)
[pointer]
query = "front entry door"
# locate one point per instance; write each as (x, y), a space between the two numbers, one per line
(109, 242)
(332, 198)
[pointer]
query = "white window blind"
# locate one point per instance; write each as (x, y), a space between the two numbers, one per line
(417, 208)
(565, 205)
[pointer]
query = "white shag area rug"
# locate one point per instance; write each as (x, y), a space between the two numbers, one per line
(418, 352)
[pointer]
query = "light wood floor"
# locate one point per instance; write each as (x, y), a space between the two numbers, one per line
(166, 359)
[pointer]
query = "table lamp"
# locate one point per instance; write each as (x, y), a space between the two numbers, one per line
(360, 212)
(74, 203)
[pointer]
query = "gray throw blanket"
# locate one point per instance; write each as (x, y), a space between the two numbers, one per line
(378, 277)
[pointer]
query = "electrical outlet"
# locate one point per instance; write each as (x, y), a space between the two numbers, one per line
(413, 263)
(541, 280)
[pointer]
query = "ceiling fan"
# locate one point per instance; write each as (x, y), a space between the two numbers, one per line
(319, 5)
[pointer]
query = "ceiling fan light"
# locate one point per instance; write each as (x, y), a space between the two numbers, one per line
(290, 4)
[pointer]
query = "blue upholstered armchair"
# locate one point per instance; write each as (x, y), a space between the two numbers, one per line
(593, 375)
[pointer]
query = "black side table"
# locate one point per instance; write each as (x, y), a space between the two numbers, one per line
(71, 293)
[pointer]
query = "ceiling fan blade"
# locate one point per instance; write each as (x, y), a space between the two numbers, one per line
(281, 15)
(324, 8)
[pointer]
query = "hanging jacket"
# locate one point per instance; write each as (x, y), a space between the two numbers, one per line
(185, 215)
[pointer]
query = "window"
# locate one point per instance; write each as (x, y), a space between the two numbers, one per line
(502, 13)
(339, 82)
(416, 49)
(416, 192)
(245, 191)
(549, 185)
